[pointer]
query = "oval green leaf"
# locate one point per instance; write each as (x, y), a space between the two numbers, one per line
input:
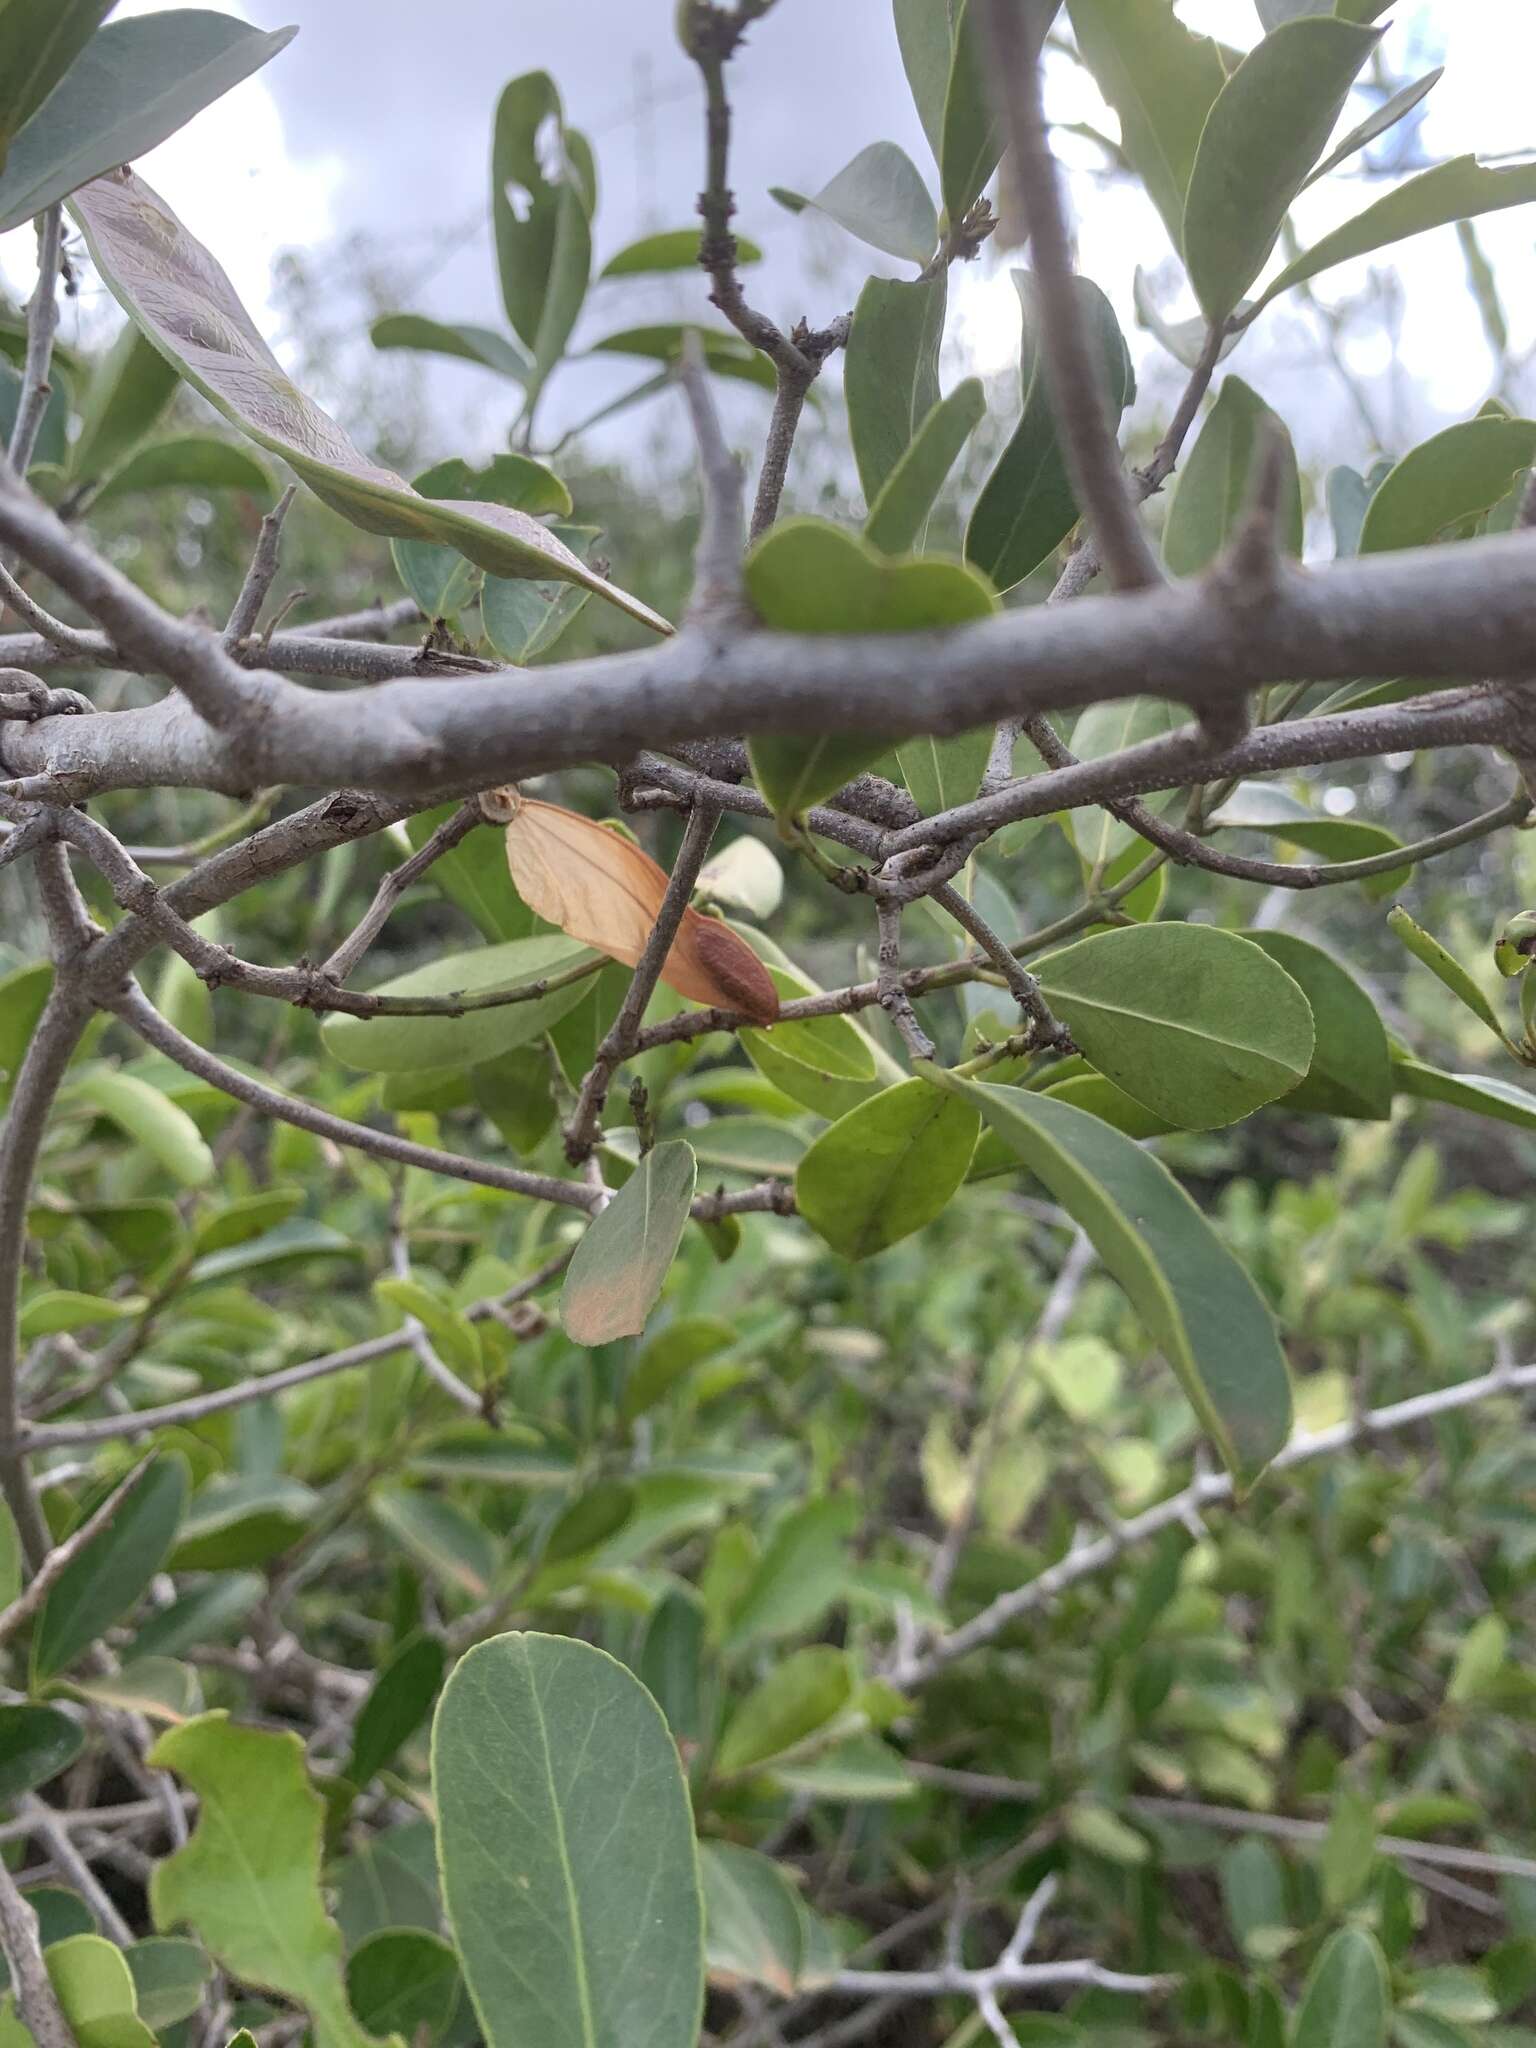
(146, 1116)
(1347, 1997)
(886, 1169)
(623, 1259)
(1216, 481)
(1198, 1025)
(397, 1045)
(1268, 126)
(36, 1743)
(1351, 1070)
(133, 84)
(891, 372)
(109, 1575)
(1198, 1304)
(565, 1839)
(1454, 477)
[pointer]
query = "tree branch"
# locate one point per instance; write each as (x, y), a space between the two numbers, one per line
(36, 2000)
(1071, 356)
(42, 325)
(1210, 1489)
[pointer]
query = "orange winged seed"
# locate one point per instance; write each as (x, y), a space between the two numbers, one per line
(601, 888)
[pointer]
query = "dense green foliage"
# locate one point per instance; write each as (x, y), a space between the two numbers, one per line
(888, 1491)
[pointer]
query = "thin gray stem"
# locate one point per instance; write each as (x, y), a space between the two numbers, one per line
(42, 325)
(260, 576)
(36, 2000)
(619, 1040)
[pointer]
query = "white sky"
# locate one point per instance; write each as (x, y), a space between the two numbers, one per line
(376, 119)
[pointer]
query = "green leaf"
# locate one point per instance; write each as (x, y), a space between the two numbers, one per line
(1268, 807)
(1349, 1849)
(901, 506)
(157, 1687)
(1346, 1998)
(405, 1982)
(293, 1243)
(670, 1665)
(751, 1919)
(673, 249)
(10, 1557)
(113, 1570)
(39, 40)
(52, 449)
(129, 388)
(482, 345)
(237, 1521)
(1162, 80)
(36, 1743)
(565, 1838)
(925, 33)
(1198, 1025)
(175, 290)
(1351, 1070)
(522, 620)
(886, 1169)
(744, 875)
(133, 84)
(623, 1259)
(880, 197)
(806, 576)
(1479, 1660)
(943, 773)
(24, 993)
(1198, 1304)
(209, 1613)
(972, 138)
(1026, 508)
(441, 1536)
(440, 579)
(96, 1990)
(589, 1521)
(400, 1701)
(1386, 116)
(1456, 475)
(1484, 1094)
(725, 353)
(542, 204)
(1446, 967)
(248, 1882)
(1215, 482)
(891, 372)
(801, 1572)
(142, 1113)
(193, 462)
(1268, 126)
(1462, 189)
(60, 1309)
(1253, 1890)
(396, 1045)
(800, 1696)
(169, 1978)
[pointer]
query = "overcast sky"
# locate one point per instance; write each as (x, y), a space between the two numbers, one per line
(376, 120)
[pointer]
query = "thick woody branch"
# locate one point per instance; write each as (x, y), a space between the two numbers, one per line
(1446, 612)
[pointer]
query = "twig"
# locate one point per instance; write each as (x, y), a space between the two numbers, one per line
(1048, 1030)
(1069, 350)
(68, 640)
(717, 589)
(393, 887)
(259, 576)
(618, 1041)
(893, 997)
(427, 1356)
(36, 1999)
(42, 325)
(73, 1866)
(63, 1555)
(1283, 1827)
(1211, 1489)
(136, 1010)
